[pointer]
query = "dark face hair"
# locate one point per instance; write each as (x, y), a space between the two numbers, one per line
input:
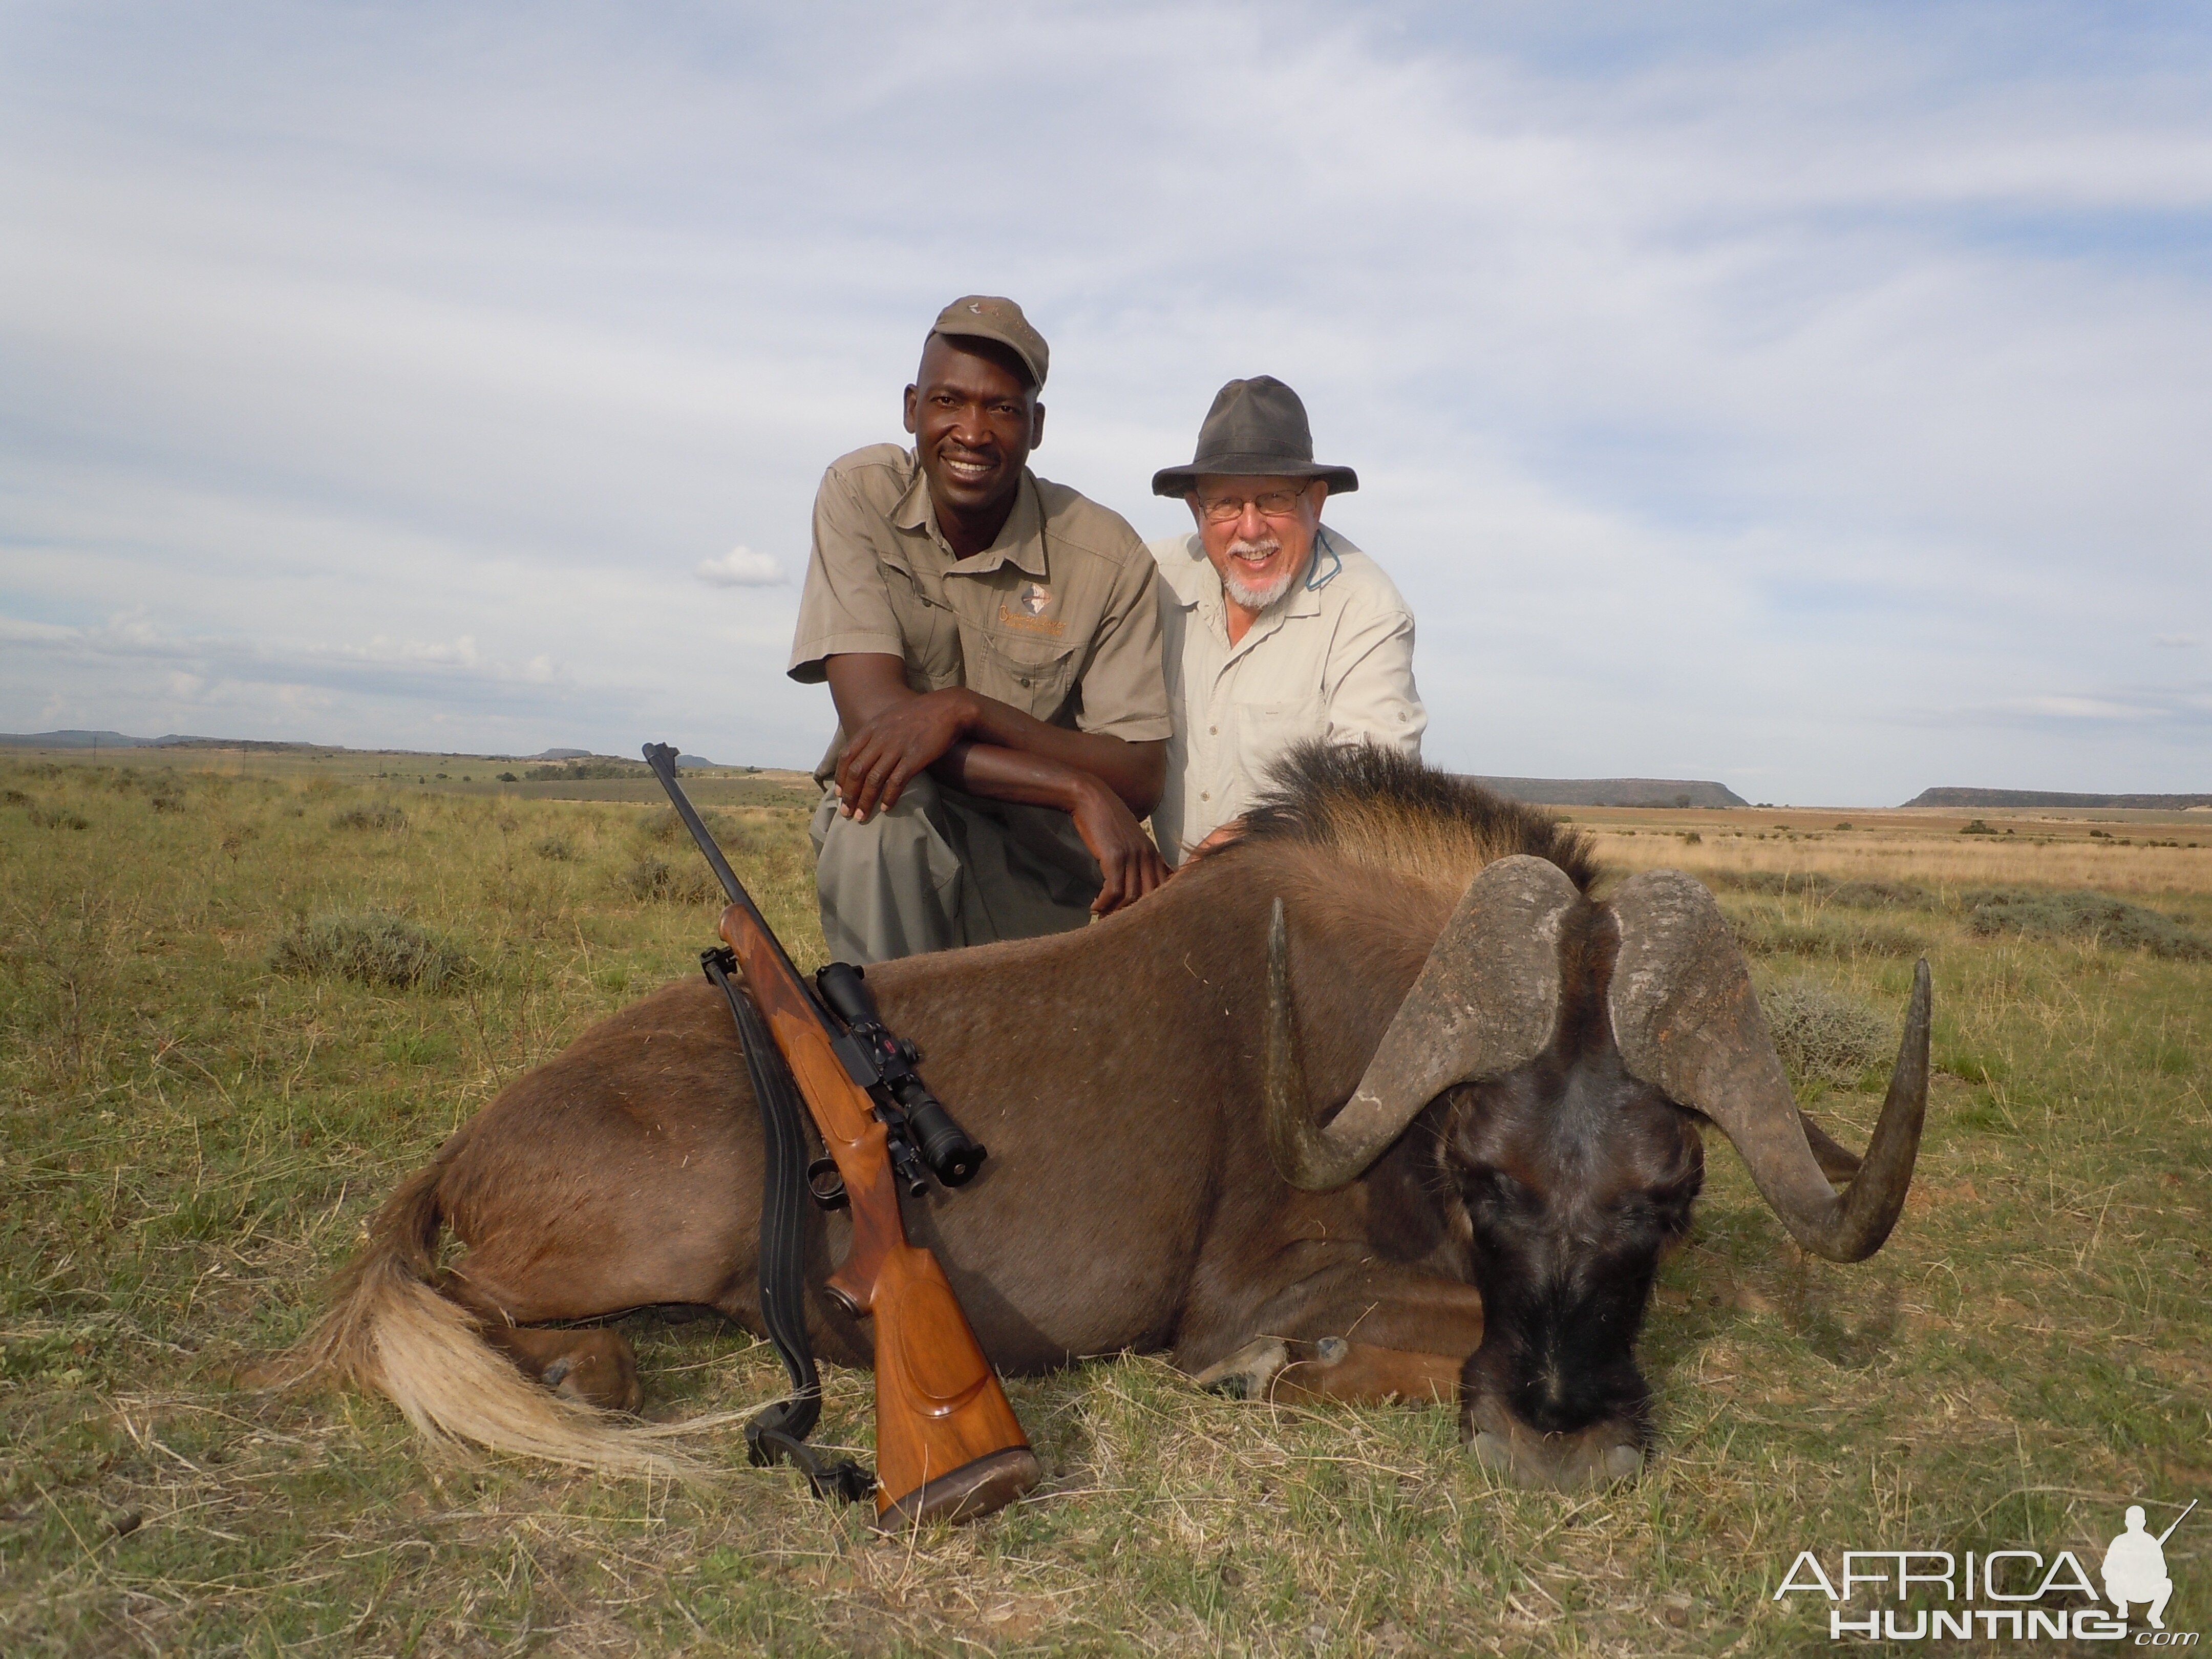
(976, 418)
(1576, 1177)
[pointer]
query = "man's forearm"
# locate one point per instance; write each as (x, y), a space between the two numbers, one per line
(894, 732)
(1137, 772)
(1001, 774)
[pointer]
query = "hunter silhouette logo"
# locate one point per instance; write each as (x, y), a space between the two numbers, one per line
(1035, 597)
(2135, 1567)
(2014, 1594)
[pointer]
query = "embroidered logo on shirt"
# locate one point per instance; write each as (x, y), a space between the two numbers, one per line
(1028, 609)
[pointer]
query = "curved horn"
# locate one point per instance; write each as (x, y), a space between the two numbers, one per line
(1484, 1003)
(1686, 1023)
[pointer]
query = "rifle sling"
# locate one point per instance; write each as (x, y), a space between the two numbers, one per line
(778, 1432)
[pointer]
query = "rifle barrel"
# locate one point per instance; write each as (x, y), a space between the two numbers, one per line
(2177, 1520)
(661, 757)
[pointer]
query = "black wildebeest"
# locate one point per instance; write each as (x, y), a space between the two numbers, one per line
(1375, 1101)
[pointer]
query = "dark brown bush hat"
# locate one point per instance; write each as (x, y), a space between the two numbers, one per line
(986, 317)
(1257, 430)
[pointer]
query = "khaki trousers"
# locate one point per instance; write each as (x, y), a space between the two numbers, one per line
(945, 868)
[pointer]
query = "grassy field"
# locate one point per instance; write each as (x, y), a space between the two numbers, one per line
(201, 1109)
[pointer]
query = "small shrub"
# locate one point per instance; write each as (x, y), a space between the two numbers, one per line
(579, 771)
(382, 816)
(1691, 838)
(15, 798)
(373, 949)
(1832, 938)
(1824, 1035)
(2083, 914)
(1975, 827)
(1857, 895)
(660, 828)
(164, 800)
(58, 818)
(1881, 896)
(655, 880)
(508, 777)
(559, 848)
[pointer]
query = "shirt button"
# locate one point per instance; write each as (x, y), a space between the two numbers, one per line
(1205, 795)
(1215, 731)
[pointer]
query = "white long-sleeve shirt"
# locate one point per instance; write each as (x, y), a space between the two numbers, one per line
(1334, 660)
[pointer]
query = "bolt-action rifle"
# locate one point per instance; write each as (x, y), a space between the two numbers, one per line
(948, 1445)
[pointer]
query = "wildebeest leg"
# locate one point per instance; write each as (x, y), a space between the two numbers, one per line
(1401, 1332)
(596, 1365)
(1333, 1369)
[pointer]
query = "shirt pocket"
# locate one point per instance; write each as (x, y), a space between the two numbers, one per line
(930, 632)
(1265, 730)
(1034, 675)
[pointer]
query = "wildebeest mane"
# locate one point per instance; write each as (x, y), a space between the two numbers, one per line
(1382, 810)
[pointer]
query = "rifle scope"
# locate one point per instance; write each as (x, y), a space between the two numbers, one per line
(944, 1146)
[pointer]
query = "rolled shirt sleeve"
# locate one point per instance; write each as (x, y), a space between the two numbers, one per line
(1374, 699)
(844, 606)
(1124, 685)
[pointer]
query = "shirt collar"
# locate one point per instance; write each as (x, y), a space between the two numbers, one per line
(1021, 539)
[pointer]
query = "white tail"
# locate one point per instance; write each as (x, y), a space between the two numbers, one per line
(389, 1331)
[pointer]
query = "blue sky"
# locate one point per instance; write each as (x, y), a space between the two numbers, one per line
(1813, 398)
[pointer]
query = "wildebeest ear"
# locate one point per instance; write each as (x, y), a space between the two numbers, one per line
(1485, 1002)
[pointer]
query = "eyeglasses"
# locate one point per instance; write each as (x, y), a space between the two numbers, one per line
(1273, 504)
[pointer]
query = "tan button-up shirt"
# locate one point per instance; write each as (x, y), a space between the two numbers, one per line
(1056, 617)
(1333, 660)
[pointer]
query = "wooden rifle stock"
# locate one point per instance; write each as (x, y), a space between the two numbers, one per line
(948, 1445)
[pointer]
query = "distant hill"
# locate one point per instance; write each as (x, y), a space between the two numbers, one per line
(172, 740)
(1615, 792)
(73, 740)
(175, 740)
(2053, 797)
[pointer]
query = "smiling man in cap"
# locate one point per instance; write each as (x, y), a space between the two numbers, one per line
(1278, 628)
(993, 644)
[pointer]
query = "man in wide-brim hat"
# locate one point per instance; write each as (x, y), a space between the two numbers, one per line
(1277, 628)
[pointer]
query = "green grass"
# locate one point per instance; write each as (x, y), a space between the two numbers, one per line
(193, 1136)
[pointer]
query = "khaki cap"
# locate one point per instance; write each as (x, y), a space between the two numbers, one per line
(986, 317)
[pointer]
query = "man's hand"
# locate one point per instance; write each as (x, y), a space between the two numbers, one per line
(1131, 864)
(977, 743)
(897, 742)
(1226, 834)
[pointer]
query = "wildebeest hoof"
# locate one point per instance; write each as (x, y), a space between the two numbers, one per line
(1331, 1350)
(1246, 1374)
(551, 1376)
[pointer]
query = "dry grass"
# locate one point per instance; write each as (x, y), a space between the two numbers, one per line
(191, 1141)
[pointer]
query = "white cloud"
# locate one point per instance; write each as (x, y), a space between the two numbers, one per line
(741, 568)
(2174, 642)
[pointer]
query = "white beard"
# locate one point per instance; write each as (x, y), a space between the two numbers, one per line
(1256, 600)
